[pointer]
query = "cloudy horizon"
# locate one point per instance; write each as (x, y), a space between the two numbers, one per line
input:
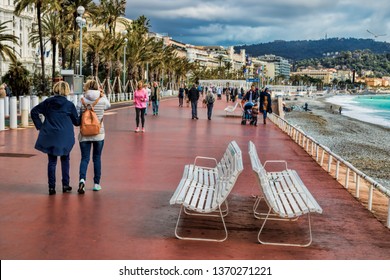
(232, 22)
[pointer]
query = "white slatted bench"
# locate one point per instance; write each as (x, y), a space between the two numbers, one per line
(285, 194)
(203, 190)
(231, 109)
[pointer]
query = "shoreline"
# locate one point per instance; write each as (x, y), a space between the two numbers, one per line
(362, 144)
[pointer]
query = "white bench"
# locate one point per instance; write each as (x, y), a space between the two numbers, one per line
(231, 109)
(285, 194)
(203, 190)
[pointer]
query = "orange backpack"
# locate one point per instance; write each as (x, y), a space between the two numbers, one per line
(90, 125)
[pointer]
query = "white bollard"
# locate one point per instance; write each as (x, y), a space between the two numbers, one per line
(28, 102)
(34, 101)
(75, 99)
(13, 113)
(2, 115)
(6, 106)
(25, 105)
(20, 104)
(44, 97)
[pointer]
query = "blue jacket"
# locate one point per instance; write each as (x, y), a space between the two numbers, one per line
(56, 133)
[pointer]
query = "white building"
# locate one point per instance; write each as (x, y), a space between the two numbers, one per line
(21, 26)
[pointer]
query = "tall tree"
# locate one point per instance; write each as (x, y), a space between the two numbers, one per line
(40, 5)
(53, 31)
(110, 11)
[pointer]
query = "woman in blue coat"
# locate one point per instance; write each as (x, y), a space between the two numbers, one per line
(56, 133)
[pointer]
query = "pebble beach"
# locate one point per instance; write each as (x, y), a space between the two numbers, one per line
(364, 145)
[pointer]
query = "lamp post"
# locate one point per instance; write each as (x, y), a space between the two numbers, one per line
(124, 33)
(81, 23)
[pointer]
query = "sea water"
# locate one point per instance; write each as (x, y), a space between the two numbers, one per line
(368, 108)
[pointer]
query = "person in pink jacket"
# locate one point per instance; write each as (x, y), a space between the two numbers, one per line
(140, 99)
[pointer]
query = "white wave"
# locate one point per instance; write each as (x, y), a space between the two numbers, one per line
(356, 110)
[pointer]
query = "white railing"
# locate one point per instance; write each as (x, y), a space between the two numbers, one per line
(351, 178)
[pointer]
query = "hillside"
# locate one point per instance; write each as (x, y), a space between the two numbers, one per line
(298, 50)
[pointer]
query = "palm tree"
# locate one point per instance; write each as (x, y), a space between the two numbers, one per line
(96, 43)
(110, 11)
(6, 50)
(52, 29)
(40, 6)
(69, 14)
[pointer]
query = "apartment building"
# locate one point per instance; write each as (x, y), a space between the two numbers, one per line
(325, 75)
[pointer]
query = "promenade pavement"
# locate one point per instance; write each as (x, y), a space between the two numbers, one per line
(130, 218)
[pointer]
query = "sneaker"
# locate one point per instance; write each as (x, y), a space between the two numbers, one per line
(137, 129)
(66, 189)
(97, 187)
(81, 189)
(52, 191)
(143, 129)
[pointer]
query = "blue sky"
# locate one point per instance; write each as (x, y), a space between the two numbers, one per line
(237, 22)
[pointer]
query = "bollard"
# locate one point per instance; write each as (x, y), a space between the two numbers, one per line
(2, 115)
(24, 116)
(44, 97)
(76, 98)
(34, 101)
(13, 113)
(28, 103)
(6, 106)
(20, 104)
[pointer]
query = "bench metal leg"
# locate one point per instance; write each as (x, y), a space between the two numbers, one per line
(221, 215)
(284, 244)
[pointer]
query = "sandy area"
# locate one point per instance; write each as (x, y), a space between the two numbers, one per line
(364, 145)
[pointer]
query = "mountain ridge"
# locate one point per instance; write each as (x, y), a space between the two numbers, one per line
(306, 49)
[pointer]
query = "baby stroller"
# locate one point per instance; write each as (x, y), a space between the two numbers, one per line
(247, 113)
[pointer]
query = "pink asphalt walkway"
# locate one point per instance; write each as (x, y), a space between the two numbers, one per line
(131, 217)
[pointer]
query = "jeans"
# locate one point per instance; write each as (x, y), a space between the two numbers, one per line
(194, 108)
(155, 105)
(140, 112)
(85, 147)
(209, 110)
(51, 170)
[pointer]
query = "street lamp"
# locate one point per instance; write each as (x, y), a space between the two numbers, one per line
(124, 33)
(81, 23)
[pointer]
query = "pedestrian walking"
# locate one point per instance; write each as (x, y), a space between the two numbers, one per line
(93, 96)
(193, 96)
(149, 91)
(210, 99)
(252, 95)
(181, 95)
(140, 99)
(56, 136)
(186, 90)
(265, 104)
(155, 97)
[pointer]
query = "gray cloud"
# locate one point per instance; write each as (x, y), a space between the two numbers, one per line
(233, 22)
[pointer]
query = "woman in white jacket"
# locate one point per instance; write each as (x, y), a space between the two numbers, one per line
(92, 92)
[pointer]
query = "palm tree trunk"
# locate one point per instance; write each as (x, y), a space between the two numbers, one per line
(43, 80)
(53, 66)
